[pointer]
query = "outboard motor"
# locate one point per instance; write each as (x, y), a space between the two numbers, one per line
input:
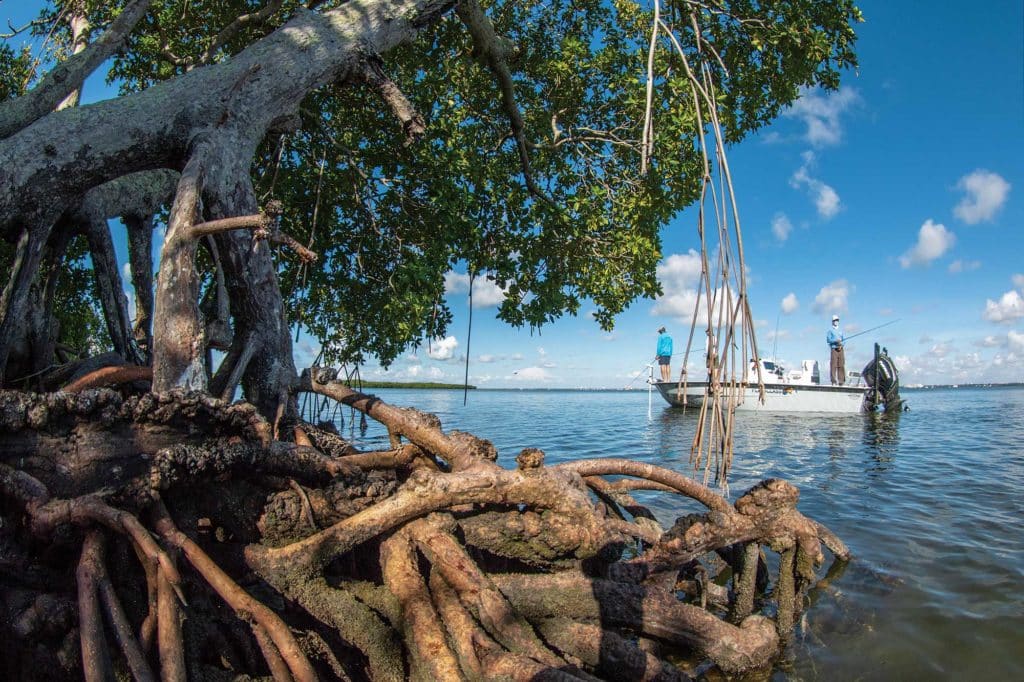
(883, 383)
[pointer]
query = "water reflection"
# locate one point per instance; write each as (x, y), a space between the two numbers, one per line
(882, 439)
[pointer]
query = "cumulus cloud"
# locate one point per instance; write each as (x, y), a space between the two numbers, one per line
(820, 111)
(1018, 281)
(487, 358)
(781, 227)
(442, 349)
(790, 303)
(1008, 308)
(832, 298)
(985, 192)
(1015, 340)
(826, 199)
(959, 266)
(933, 240)
(988, 342)
(531, 374)
(486, 293)
(679, 275)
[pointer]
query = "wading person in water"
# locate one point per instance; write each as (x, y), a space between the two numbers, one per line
(664, 354)
(837, 358)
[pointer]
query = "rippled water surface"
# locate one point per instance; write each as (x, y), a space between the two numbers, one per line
(931, 504)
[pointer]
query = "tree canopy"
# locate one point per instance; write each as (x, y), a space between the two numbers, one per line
(503, 138)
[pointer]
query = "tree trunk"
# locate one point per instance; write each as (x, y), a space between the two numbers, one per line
(140, 257)
(111, 290)
(45, 166)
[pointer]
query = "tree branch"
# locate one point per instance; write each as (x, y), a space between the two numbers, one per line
(495, 53)
(240, 22)
(69, 75)
(413, 124)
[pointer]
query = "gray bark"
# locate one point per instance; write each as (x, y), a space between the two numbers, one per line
(111, 290)
(60, 156)
(67, 77)
(140, 259)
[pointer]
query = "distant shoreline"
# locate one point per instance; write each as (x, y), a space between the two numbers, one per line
(413, 384)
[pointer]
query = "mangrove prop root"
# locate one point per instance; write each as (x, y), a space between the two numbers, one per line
(237, 598)
(606, 652)
(109, 376)
(476, 591)
(390, 564)
(431, 658)
(129, 644)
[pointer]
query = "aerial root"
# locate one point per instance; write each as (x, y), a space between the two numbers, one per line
(169, 638)
(430, 656)
(95, 656)
(745, 584)
(94, 589)
(248, 608)
(410, 575)
(608, 653)
(477, 592)
(653, 612)
(109, 376)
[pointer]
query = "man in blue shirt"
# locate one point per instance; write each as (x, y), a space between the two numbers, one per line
(664, 354)
(837, 358)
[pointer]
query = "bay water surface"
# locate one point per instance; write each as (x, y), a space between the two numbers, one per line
(931, 503)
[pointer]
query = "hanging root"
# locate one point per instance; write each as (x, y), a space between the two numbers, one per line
(395, 564)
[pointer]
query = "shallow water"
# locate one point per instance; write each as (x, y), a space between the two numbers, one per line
(930, 503)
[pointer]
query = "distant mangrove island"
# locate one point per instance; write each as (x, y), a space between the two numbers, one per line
(412, 384)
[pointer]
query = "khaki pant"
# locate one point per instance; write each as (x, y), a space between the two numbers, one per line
(837, 366)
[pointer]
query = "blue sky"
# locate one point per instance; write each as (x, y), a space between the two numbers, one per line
(899, 197)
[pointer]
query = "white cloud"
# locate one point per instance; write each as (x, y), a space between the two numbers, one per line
(820, 111)
(959, 265)
(486, 359)
(679, 275)
(790, 303)
(826, 199)
(933, 240)
(1009, 308)
(1018, 281)
(989, 342)
(419, 372)
(781, 227)
(531, 374)
(126, 272)
(1015, 340)
(832, 297)
(486, 293)
(442, 349)
(541, 352)
(456, 282)
(986, 193)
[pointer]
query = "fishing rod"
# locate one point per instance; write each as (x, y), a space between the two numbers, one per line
(651, 364)
(853, 336)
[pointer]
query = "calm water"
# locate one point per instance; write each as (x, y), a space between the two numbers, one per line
(931, 504)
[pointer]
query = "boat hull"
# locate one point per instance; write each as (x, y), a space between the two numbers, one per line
(778, 397)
